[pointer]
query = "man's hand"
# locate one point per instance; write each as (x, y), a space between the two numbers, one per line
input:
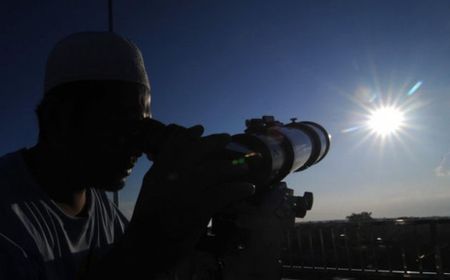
(183, 189)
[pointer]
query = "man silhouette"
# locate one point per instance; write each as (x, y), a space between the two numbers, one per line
(57, 222)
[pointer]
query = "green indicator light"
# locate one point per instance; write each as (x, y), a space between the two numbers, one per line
(238, 161)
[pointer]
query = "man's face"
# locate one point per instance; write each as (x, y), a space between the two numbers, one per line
(101, 150)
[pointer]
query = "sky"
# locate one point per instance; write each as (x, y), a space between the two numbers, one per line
(218, 63)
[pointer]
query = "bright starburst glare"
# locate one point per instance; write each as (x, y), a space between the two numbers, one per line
(386, 120)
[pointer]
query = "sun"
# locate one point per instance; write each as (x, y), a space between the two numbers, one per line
(386, 120)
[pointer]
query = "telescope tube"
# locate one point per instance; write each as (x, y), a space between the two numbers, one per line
(280, 150)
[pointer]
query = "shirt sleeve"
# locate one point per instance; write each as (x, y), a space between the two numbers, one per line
(15, 263)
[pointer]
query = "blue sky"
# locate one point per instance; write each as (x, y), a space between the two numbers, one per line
(218, 63)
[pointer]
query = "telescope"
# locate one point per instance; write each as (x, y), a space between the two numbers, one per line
(271, 150)
(247, 243)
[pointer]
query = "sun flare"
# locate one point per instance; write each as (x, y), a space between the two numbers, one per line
(386, 120)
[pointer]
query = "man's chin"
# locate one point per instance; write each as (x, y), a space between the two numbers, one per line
(111, 186)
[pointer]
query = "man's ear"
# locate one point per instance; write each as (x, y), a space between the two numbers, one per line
(54, 128)
(59, 124)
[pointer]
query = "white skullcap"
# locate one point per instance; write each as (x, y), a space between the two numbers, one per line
(94, 56)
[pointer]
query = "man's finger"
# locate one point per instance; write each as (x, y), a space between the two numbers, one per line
(196, 131)
(211, 144)
(176, 139)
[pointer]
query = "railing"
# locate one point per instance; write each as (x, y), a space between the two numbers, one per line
(398, 248)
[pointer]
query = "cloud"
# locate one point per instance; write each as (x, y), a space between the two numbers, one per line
(443, 169)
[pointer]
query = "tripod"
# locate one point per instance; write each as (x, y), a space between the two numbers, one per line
(248, 242)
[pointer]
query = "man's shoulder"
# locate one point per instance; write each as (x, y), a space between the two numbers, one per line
(14, 176)
(10, 161)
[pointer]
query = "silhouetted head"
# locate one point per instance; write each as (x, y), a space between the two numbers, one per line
(96, 88)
